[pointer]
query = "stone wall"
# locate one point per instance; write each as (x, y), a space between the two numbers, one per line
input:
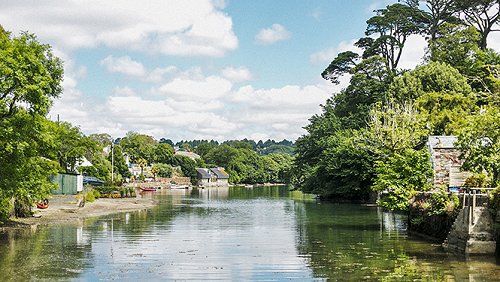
(421, 222)
(447, 165)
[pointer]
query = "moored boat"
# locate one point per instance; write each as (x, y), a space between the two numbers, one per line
(175, 186)
(148, 189)
(43, 205)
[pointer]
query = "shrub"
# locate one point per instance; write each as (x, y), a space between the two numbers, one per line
(89, 195)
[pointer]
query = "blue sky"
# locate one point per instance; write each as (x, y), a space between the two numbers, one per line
(200, 69)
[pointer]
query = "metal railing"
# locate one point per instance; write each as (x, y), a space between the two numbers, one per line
(470, 197)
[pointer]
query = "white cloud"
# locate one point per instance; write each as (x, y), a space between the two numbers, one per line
(124, 65)
(205, 89)
(158, 74)
(175, 27)
(272, 34)
(237, 74)
(194, 106)
(413, 52)
(494, 41)
(327, 55)
(279, 112)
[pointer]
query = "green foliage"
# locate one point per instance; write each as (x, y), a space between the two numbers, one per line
(479, 142)
(119, 162)
(161, 170)
(455, 46)
(163, 153)
(30, 77)
(89, 195)
(394, 128)
(334, 165)
(139, 146)
(368, 85)
(30, 74)
(341, 65)
(391, 27)
(343, 152)
(442, 203)
(440, 93)
(482, 14)
(478, 180)
(188, 167)
(400, 176)
(70, 146)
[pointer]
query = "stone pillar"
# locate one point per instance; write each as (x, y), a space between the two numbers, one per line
(475, 238)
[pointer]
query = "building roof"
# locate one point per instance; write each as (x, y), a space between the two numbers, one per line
(190, 155)
(220, 172)
(442, 142)
(204, 173)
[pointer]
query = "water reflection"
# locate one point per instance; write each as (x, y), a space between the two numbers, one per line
(237, 234)
(44, 254)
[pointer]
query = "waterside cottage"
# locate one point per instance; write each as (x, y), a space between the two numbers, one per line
(212, 177)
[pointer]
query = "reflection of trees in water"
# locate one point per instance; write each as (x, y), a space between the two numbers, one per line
(259, 191)
(354, 242)
(58, 253)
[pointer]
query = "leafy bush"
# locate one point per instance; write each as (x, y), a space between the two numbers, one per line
(442, 203)
(401, 176)
(89, 195)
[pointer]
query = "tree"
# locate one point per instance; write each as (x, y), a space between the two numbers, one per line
(395, 133)
(401, 176)
(391, 27)
(368, 85)
(204, 148)
(341, 65)
(142, 163)
(482, 14)
(329, 160)
(30, 78)
(440, 12)
(394, 128)
(119, 162)
(139, 146)
(104, 139)
(440, 93)
(456, 46)
(161, 170)
(31, 75)
(163, 153)
(71, 146)
(479, 142)
(188, 167)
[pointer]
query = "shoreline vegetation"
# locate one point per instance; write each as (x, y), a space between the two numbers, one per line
(64, 209)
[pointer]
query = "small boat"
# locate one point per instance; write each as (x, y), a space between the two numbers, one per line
(248, 186)
(175, 186)
(43, 205)
(148, 189)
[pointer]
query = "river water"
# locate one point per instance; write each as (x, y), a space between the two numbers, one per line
(236, 234)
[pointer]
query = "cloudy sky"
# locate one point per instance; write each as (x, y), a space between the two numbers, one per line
(198, 69)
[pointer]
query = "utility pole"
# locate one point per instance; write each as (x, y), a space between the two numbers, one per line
(112, 162)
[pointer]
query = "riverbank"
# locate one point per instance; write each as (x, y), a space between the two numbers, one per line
(64, 209)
